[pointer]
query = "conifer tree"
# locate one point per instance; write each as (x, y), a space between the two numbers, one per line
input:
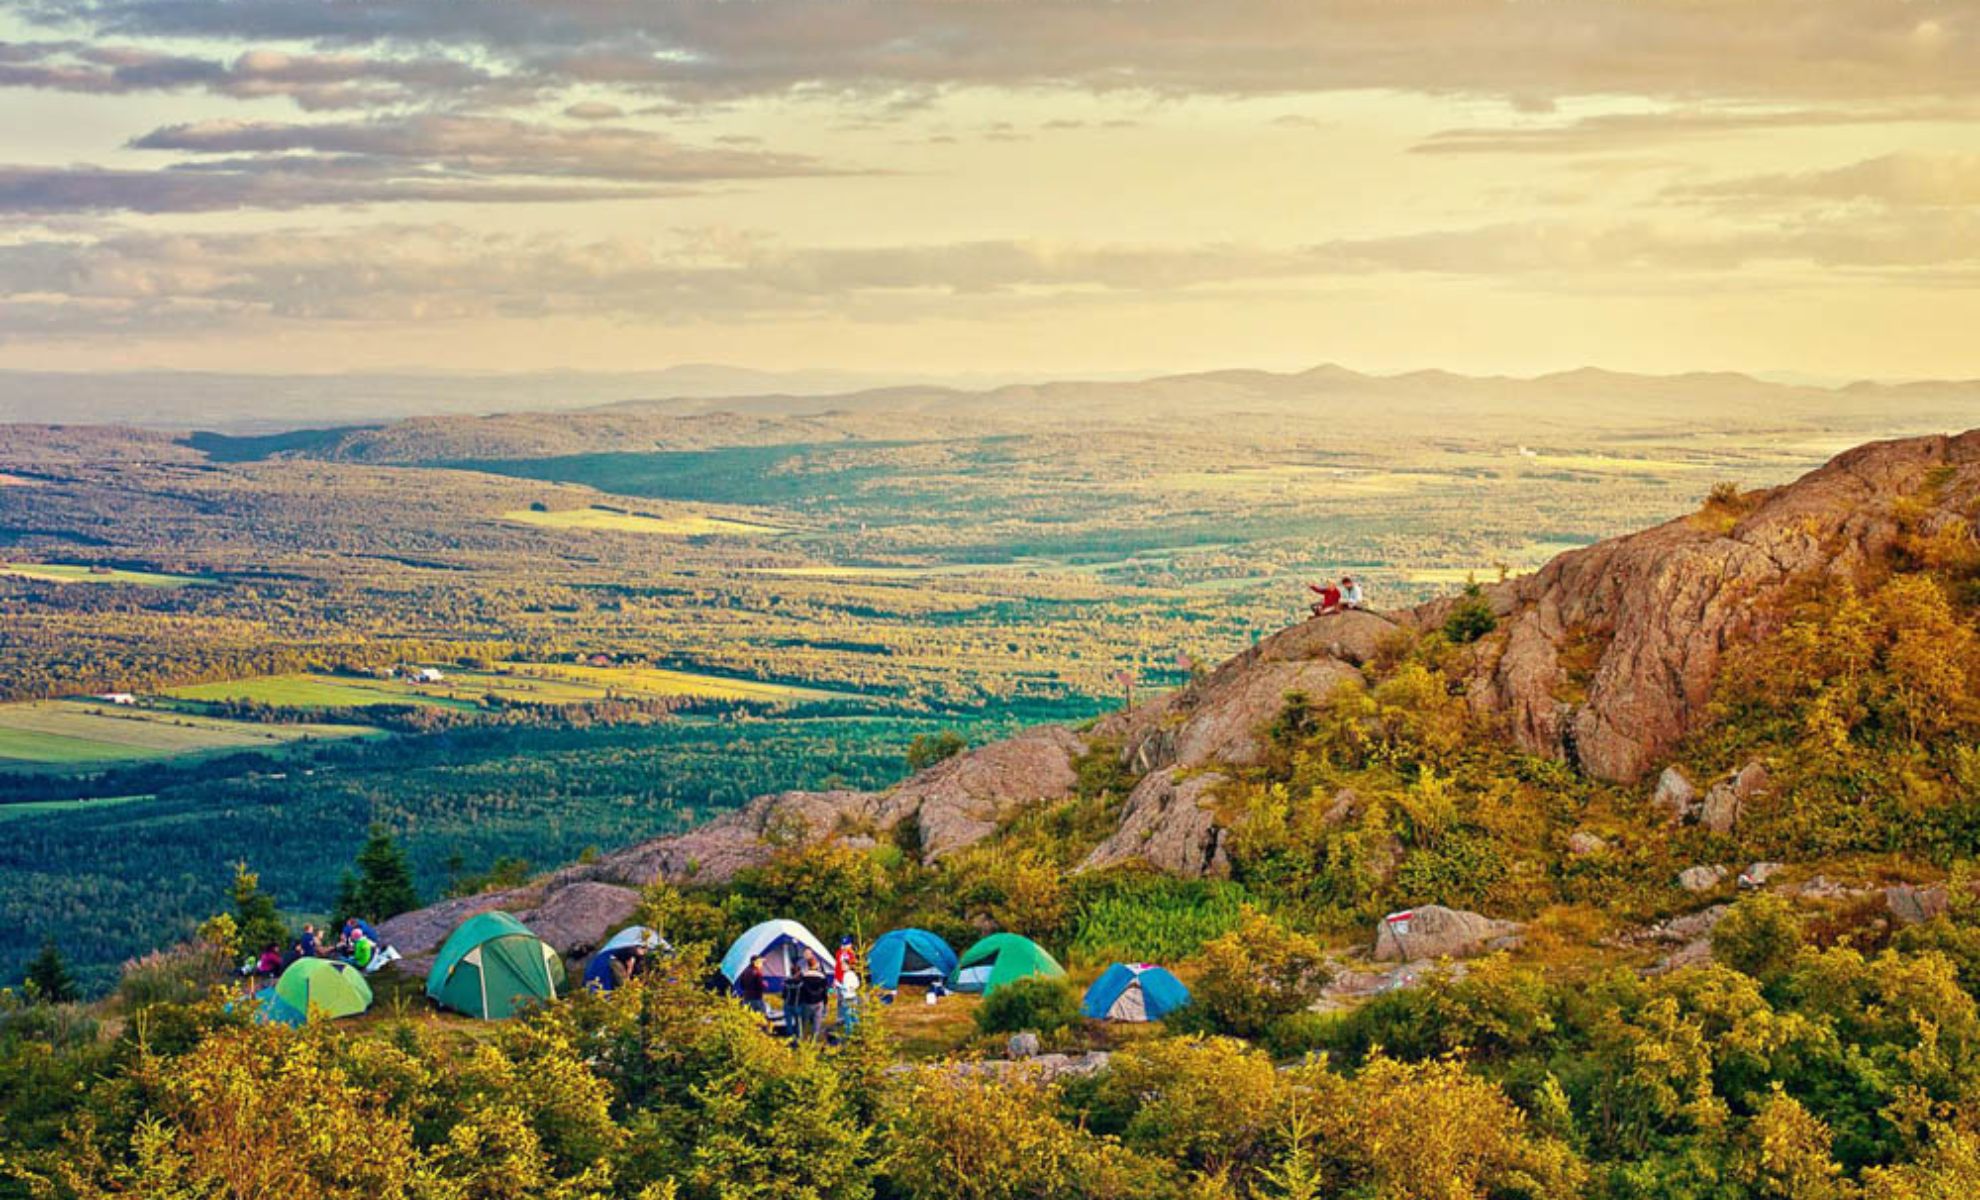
(255, 913)
(384, 884)
(48, 977)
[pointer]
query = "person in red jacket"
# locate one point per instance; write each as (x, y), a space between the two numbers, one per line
(1330, 599)
(846, 959)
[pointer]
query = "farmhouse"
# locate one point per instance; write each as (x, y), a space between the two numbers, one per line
(428, 675)
(117, 698)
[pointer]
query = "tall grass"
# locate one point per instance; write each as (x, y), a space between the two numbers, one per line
(1150, 918)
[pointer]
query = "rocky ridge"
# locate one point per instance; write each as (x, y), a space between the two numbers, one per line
(1605, 659)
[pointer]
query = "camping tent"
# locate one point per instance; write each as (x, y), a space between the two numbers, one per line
(332, 988)
(492, 967)
(999, 959)
(1134, 992)
(782, 945)
(598, 972)
(912, 956)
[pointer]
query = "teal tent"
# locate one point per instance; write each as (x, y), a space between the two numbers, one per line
(494, 967)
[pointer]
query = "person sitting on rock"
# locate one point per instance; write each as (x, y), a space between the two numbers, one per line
(1330, 599)
(1350, 593)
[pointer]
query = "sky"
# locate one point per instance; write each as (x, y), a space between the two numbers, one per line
(1029, 186)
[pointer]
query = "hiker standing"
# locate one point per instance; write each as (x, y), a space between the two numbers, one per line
(843, 961)
(848, 992)
(814, 989)
(750, 987)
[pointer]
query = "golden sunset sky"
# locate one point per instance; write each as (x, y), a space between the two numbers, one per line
(992, 185)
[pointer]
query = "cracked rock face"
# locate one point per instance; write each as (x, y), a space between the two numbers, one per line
(1655, 612)
(1167, 824)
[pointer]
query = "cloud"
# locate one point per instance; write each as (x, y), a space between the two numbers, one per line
(261, 184)
(154, 281)
(232, 165)
(485, 147)
(1621, 131)
(1904, 179)
(312, 81)
(594, 110)
(1535, 52)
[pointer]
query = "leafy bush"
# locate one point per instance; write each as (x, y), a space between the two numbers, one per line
(925, 750)
(1254, 974)
(1471, 618)
(1760, 936)
(1038, 1004)
(183, 975)
(956, 1136)
(1144, 916)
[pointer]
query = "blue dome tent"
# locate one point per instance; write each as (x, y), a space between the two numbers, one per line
(782, 944)
(911, 956)
(598, 971)
(1138, 992)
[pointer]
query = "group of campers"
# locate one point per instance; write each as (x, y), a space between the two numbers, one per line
(805, 995)
(357, 944)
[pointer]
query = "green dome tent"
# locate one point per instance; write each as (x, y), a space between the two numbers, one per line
(999, 959)
(332, 989)
(493, 967)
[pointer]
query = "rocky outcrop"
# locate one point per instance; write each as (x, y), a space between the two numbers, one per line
(959, 802)
(1223, 718)
(1167, 824)
(1609, 653)
(955, 803)
(571, 919)
(1605, 658)
(576, 919)
(1433, 931)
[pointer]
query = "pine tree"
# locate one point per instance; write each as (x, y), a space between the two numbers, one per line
(385, 881)
(260, 922)
(48, 977)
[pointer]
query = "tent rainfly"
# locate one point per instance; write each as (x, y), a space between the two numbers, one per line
(598, 972)
(911, 956)
(493, 967)
(782, 945)
(1134, 992)
(999, 959)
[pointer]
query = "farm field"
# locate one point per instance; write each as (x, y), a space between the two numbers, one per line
(539, 683)
(617, 521)
(560, 682)
(311, 691)
(68, 733)
(77, 573)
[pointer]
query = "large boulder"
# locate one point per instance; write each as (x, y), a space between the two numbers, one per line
(1675, 799)
(1222, 720)
(736, 841)
(1353, 637)
(576, 919)
(1167, 824)
(417, 935)
(1433, 931)
(960, 801)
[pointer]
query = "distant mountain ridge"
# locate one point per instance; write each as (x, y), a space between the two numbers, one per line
(614, 410)
(1329, 399)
